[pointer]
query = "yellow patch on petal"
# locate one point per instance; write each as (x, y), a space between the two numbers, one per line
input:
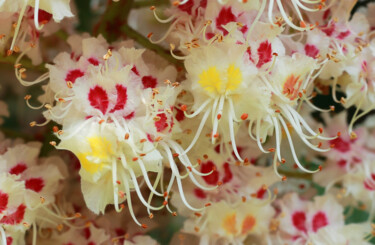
(229, 224)
(92, 161)
(215, 81)
(234, 78)
(248, 224)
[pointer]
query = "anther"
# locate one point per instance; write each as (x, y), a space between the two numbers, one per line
(127, 136)
(151, 216)
(32, 124)
(244, 116)
(144, 226)
(183, 107)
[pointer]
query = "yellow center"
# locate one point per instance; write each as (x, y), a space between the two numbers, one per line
(219, 82)
(93, 161)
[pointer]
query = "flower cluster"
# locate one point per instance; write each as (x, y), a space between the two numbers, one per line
(236, 115)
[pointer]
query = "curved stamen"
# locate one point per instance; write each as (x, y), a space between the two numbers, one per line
(140, 196)
(199, 130)
(199, 110)
(20, 17)
(115, 186)
(292, 147)
(128, 198)
(232, 138)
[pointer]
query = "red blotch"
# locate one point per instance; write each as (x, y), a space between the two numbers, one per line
(87, 233)
(342, 163)
(264, 53)
(328, 30)
(326, 14)
(187, 7)
(261, 192)
(134, 69)
(122, 98)
(18, 169)
(3, 201)
(180, 115)
(213, 178)
(149, 82)
(311, 50)
(227, 173)
(199, 193)
(93, 61)
(15, 217)
(35, 184)
(99, 99)
(299, 221)
(343, 35)
(91, 243)
(73, 75)
(341, 145)
(120, 233)
(43, 17)
(162, 124)
(129, 116)
(9, 240)
(210, 35)
(225, 16)
(319, 221)
(369, 184)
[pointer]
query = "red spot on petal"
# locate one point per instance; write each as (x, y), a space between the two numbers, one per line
(227, 173)
(122, 98)
(319, 221)
(162, 124)
(87, 233)
(149, 82)
(120, 233)
(15, 217)
(18, 169)
(311, 50)
(73, 75)
(98, 99)
(328, 29)
(299, 221)
(187, 7)
(180, 115)
(264, 53)
(213, 178)
(260, 193)
(199, 193)
(342, 163)
(340, 144)
(326, 14)
(43, 17)
(9, 240)
(93, 61)
(210, 35)
(225, 16)
(3, 201)
(35, 184)
(134, 69)
(129, 116)
(343, 35)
